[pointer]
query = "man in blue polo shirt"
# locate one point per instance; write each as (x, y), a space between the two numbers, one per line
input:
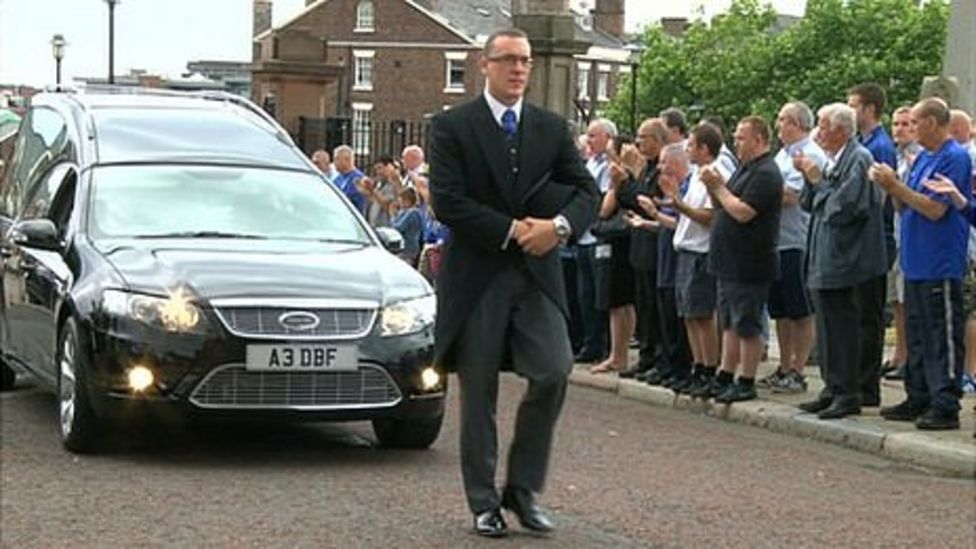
(934, 238)
(868, 101)
(349, 177)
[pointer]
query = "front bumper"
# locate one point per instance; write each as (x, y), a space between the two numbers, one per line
(205, 376)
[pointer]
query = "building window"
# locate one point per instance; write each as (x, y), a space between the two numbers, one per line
(364, 16)
(362, 127)
(603, 83)
(363, 68)
(583, 81)
(456, 66)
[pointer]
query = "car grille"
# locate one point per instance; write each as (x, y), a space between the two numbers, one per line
(233, 387)
(258, 321)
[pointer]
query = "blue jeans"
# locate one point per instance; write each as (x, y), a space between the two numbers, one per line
(935, 324)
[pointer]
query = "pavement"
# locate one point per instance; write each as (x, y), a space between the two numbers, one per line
(951, 453)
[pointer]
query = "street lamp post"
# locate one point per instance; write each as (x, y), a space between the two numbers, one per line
(635, 53)
(57, 47)
(111, 40)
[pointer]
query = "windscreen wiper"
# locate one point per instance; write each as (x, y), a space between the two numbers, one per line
(202, 234)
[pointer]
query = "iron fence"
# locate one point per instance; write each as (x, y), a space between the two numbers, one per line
(370, 139)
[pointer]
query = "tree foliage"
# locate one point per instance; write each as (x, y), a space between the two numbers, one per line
(742, 63)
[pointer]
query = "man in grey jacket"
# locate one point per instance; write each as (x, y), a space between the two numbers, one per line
(846, 247)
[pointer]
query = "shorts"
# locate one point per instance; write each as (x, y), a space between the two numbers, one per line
(788, 296)
(969, 292)
(694, 289)
(896, 283)
(740, 306)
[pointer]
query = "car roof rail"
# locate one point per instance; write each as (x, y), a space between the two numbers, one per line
(210, 95)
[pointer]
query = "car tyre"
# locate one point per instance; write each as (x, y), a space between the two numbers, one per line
(8, 377)
(408, 433)
(79, 425)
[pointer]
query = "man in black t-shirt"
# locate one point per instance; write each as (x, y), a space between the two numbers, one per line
(742, 255)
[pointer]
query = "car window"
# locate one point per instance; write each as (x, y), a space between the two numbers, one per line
(41, 194)
(174, 201)
(42, 139)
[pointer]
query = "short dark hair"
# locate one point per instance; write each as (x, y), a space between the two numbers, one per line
(871, 94)
(409, 194)
(708, 135)
(758, 125)
(716, 121)
(510, 33)
(674, 118)
(385, 159)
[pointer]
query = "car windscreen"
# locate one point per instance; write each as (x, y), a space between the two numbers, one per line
(173, 201)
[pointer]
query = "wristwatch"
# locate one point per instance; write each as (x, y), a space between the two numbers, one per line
(563, 230)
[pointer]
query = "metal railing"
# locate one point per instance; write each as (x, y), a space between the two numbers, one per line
(370, 139)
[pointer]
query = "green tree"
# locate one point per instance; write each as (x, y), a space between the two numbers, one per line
(742, 63)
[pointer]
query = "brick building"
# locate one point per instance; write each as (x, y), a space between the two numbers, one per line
(366, 64)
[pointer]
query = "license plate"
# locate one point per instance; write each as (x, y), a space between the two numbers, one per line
(294, 358)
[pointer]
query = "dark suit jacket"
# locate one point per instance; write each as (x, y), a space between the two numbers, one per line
(846, 244)
(643, 245)
(473, 194)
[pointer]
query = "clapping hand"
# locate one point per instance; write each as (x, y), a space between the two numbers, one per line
(648, 205)
(805, 165)
(883, 175)
(668, 186)
(711, 177)
(637, 222)
(618, 174)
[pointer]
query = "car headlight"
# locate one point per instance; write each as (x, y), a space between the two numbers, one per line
(175, 313)
(407, 317)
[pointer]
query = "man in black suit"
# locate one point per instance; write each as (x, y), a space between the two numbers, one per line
(507, 179)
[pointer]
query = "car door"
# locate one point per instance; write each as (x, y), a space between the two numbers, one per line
(43, 275)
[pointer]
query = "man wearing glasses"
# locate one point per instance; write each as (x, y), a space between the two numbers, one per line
(506, 178)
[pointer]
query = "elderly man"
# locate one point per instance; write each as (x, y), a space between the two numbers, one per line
(742, 255)
(868, 101)
(595, 320)
(961, 129)
(789, 301)
(653, 320)
(323, 162)
(846, 248)
(934, 239)
(349, 178)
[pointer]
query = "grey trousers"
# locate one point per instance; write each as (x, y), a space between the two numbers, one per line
(514, 323)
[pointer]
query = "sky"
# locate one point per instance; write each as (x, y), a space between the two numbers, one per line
(161, 36)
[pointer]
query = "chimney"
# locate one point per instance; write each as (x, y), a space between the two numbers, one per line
(608, 16)
(262, 16)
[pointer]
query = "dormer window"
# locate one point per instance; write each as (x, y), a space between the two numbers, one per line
(364, 16)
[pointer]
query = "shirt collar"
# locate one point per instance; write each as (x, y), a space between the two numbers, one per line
(797, 145)
(498, 108)
(866, 138)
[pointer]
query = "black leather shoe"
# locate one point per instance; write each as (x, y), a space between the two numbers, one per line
(530, 515)
(936, 420)
(736, 392)
(840, 408)
(632, 373)
(816, 406)
(490, 524)
(657, 376)
(900, 412)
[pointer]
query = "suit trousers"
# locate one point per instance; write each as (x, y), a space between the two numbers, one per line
(596, 322)
(674, 337)
(648, 318)
(514, 323)
(871, 296)
(837, 312)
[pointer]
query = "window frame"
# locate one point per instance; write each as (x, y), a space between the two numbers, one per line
(583, 73)
(362, 131)
(449, 59)
(364, 24)
(358, 69)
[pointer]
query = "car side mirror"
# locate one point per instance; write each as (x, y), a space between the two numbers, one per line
(391, 238)
(36, 233)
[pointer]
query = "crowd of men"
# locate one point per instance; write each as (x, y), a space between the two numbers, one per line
(820, 229)
(825, 228)
(397, 196)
